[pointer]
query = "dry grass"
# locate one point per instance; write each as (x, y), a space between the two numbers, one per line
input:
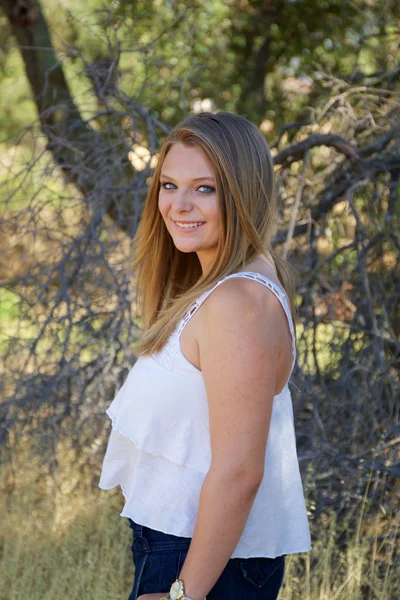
(62, 537)
(61, 545)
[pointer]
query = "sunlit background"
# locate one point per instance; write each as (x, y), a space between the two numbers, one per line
(88, 92)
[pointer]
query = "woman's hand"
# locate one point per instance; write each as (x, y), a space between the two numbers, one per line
(153, 596)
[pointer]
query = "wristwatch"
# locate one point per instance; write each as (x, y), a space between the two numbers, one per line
(177, 591)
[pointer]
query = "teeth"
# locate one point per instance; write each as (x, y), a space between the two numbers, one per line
(188, 224)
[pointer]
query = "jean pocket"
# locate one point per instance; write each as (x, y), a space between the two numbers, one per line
(260, 569)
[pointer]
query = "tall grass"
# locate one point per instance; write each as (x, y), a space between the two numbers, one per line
(62, 537)
(57, 543)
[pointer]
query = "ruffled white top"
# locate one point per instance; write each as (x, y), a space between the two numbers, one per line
(159, 450)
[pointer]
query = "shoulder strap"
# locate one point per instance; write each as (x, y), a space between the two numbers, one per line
(277, 290)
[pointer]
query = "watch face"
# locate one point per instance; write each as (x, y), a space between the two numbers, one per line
(176, 590)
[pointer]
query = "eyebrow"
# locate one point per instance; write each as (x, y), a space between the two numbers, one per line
(196, 179)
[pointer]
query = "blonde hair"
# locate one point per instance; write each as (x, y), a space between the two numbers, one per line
(168, 280)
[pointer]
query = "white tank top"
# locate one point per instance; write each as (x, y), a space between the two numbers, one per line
(159, 450)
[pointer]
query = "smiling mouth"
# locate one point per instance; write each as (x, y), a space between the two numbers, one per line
(190, 225)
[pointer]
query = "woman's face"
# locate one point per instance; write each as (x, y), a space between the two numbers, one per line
(188, 202)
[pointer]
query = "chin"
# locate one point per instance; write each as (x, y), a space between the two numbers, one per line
(185, 249)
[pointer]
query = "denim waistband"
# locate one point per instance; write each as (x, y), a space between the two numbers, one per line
(146, 539)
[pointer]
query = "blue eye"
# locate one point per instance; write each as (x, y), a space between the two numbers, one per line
(209, 189)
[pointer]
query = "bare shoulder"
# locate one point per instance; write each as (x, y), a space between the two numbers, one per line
(240, 306)
(239, 346)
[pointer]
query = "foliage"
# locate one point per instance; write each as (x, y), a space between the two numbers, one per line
(240, 55)
(73, 182)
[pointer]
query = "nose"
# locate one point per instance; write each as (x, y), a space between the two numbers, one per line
(181, 201)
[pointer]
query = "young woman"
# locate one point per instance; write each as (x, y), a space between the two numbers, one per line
(203, 442)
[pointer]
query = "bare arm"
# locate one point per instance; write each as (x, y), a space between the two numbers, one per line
(239, 349)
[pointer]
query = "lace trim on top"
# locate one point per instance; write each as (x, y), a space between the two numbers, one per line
(277, 290)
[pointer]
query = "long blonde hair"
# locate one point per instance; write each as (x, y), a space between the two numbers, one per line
(168, 280)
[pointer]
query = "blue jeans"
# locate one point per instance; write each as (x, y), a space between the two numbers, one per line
(158, 558)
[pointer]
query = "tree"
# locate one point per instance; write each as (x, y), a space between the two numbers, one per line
(76, 201)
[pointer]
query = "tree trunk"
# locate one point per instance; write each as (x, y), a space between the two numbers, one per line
(83, 153)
